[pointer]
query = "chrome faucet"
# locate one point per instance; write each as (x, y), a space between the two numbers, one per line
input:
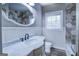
(26, 36)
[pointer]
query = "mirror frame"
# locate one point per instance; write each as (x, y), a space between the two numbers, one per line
(31, 9)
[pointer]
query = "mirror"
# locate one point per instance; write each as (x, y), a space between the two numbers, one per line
(20, 14)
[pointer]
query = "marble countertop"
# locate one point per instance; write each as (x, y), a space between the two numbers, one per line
(24, 48)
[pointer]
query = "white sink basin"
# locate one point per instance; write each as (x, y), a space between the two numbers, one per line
(24, 48)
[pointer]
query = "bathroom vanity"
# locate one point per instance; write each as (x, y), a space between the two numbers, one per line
(33, 45)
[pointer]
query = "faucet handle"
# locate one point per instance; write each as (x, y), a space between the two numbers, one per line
(22, 39)
(26, 36)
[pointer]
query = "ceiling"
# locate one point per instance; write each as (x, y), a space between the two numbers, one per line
(21, 7)
(17, 6)
(45, 4)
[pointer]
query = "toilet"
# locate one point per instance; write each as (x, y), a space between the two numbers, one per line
(48, 46)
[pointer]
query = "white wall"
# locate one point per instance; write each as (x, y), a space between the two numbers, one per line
(54, 7)
(56, 36)
(10, 34)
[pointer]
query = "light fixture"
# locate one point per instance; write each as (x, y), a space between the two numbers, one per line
(31, 4)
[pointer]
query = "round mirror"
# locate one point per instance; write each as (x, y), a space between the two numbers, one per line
(20, 14)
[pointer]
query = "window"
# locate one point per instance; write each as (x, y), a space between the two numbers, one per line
(53, 21)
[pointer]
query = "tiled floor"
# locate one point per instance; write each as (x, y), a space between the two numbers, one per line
(57, 52)
(54, 52)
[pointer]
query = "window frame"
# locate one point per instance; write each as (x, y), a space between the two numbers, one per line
(53, 13)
